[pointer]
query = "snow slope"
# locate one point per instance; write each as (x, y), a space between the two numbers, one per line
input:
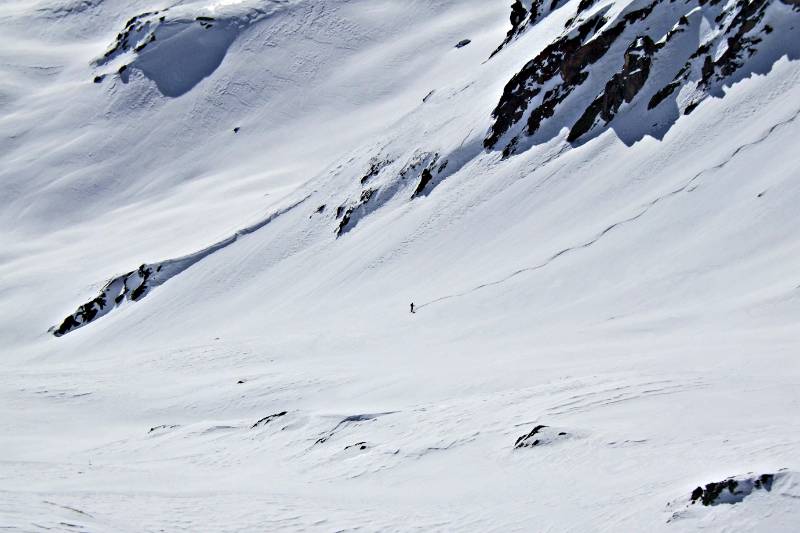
(607, 291)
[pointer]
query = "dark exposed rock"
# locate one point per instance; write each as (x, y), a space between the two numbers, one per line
(663, 94)
(136, 284)
(523, 18)
(267, 419)
(547, 81)
(136, 28)
(540, 435)
(463, 43)
(345, 221)
(519, 16)
(522, 441)
(375, 166)
(236, 129)
(748, 16)
(347, 217)
(98, 79)
(731, 490)
(584, 5)
(366, 195)
(163, 426)
(133, 285)
(424, 179)
(622, 87)
(360, 445)
(567, 56)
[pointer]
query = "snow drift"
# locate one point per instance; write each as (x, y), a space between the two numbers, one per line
(216, 214)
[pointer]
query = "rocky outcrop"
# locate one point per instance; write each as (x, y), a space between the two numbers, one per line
(347, 214)
(540, 435)
(622, 87)
(178, 47)
(424, 168)
(136, 284)
(573, 66)
(136, 35)
(526, 13)
(267, 419)
(131, 286)
(566, 57)
(731, 490)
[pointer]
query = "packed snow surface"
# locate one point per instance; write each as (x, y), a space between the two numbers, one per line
(215, 215)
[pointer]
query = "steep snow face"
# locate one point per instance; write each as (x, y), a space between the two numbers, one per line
(216, 214)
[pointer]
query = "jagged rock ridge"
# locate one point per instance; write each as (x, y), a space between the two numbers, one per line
(568, 74)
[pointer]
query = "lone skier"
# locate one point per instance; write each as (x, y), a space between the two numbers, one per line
(412, 308)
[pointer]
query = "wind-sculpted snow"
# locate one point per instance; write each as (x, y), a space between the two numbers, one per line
(177, 48)
(135, 285)
(507, 273)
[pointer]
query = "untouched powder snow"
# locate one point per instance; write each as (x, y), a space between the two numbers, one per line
(216, 214)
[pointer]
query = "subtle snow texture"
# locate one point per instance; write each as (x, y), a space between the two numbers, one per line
(601, 326)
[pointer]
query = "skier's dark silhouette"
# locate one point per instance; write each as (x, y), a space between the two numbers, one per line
(412, 307)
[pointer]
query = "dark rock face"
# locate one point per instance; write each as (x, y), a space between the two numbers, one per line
(267, 419)
(162, 427)
(132, 286)
(519, 15)
(360, 208)
(525, 440)
(180, 61)
(422, 166)
(632, 45)
(130, 37)
(540, 435)
(463, 43)
(426, 177)
(732, 490)
(622, 87)
(375, 166)
(567, 57)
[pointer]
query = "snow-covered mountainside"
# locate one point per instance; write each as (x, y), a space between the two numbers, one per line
(216, 214)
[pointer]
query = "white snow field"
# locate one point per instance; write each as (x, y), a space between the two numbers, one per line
(593, 206)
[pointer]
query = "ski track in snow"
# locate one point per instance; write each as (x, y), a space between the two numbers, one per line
(587, 244)
(277, 383)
